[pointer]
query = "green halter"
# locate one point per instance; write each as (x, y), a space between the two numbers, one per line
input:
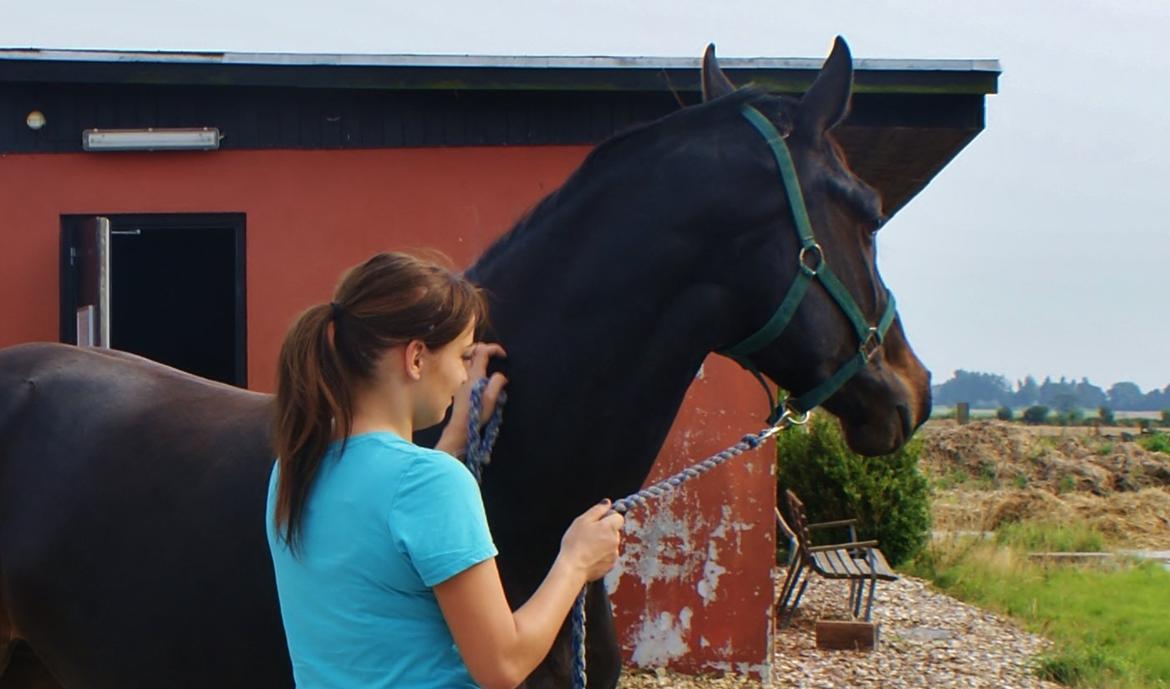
(812, 265)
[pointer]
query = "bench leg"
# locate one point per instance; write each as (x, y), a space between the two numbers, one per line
(796, 602)
(869, 604)
(794, 571)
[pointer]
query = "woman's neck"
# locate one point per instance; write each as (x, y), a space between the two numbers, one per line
(380, 409)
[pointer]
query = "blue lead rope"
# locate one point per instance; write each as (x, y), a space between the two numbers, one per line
(480, 441)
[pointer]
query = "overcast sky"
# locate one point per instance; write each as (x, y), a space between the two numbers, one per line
(1042, 248)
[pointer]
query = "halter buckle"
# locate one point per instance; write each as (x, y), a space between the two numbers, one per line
(813, 249)
(871, 344)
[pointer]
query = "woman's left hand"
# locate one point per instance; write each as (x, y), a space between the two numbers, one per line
(454, 438)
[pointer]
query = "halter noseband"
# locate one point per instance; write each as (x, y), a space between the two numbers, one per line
(811, 260)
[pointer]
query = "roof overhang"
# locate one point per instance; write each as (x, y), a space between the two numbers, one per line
(909, 117)
(480, 72)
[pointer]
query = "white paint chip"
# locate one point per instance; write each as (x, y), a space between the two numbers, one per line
(661, 639)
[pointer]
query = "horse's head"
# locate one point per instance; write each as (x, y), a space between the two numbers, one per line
(840, 345)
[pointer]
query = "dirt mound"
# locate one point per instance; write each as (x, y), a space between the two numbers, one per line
(997, 454)
(1132, 520)
(991, 473)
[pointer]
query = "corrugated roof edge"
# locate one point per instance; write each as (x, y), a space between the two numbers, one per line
(496, 61)
(479, 72)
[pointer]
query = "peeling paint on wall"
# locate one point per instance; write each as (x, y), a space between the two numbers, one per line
(708, 586)
(693, 587)
(662, 639)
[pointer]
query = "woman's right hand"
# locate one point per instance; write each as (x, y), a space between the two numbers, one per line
(591, 543)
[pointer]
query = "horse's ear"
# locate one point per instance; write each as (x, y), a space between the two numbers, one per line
(825, 103)
(715, 82)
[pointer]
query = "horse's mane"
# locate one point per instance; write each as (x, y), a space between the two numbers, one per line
(628, 141)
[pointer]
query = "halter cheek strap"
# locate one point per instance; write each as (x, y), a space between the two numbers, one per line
(813, 265)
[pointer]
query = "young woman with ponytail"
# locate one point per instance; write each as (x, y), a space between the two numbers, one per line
(385, 567)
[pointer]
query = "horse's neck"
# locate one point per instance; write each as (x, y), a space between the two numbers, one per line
(606, 320)
(607, 265)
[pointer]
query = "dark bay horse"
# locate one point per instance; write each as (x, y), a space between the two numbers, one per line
(132, 547)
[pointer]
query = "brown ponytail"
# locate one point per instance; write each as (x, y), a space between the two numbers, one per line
(389, 300)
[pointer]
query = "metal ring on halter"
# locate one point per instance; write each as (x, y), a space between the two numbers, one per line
(791, 417)
(871, 343)
(812, 270)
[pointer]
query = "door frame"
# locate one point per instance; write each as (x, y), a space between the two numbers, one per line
(121, 222)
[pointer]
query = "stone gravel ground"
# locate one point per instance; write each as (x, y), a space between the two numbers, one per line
(928, 640)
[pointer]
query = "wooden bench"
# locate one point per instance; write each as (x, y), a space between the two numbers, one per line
(858, 562)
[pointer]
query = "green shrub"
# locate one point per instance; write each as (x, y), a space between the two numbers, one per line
(1004, 414)
(1156, 443)
(1036, 414)
(1106, 415)
(888, 495)
(1166, 417)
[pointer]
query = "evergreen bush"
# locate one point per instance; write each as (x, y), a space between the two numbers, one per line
(888, 495)
(1036, 414)
(1004, 414)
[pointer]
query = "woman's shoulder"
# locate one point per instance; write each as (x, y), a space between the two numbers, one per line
(392, 453)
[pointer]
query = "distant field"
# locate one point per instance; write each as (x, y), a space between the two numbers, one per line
(941, 411)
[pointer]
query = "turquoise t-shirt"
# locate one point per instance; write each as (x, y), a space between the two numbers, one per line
(384, 523)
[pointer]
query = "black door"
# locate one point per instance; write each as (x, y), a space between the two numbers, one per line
(175, 289)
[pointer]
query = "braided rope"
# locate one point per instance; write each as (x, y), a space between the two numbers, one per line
(657, 490)
(480, 441)
(577, 627)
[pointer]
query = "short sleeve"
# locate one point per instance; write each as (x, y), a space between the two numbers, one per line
(437, 518)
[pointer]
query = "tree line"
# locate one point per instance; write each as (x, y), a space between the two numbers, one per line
(987, 390)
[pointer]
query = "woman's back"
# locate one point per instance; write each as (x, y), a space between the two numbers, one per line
(383, 524)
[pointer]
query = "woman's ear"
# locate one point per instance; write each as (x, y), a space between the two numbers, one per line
(413, 359)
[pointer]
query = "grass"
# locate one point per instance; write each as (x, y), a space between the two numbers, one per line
(1107, 622)
(1050, 537)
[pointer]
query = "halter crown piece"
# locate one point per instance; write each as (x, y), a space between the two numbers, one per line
(813, 265)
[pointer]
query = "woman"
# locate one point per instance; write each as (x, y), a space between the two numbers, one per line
(385, 566)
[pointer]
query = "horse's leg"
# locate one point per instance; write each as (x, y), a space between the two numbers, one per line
(21, 669)
(7, 636)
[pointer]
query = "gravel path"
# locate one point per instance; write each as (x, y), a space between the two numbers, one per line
(928, 640)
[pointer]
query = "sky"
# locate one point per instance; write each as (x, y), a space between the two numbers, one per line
(1043, 248)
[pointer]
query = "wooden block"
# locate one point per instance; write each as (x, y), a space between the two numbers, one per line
(847, 635)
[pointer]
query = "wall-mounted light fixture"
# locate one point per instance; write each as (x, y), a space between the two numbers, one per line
(35, 120)
(196, 139)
